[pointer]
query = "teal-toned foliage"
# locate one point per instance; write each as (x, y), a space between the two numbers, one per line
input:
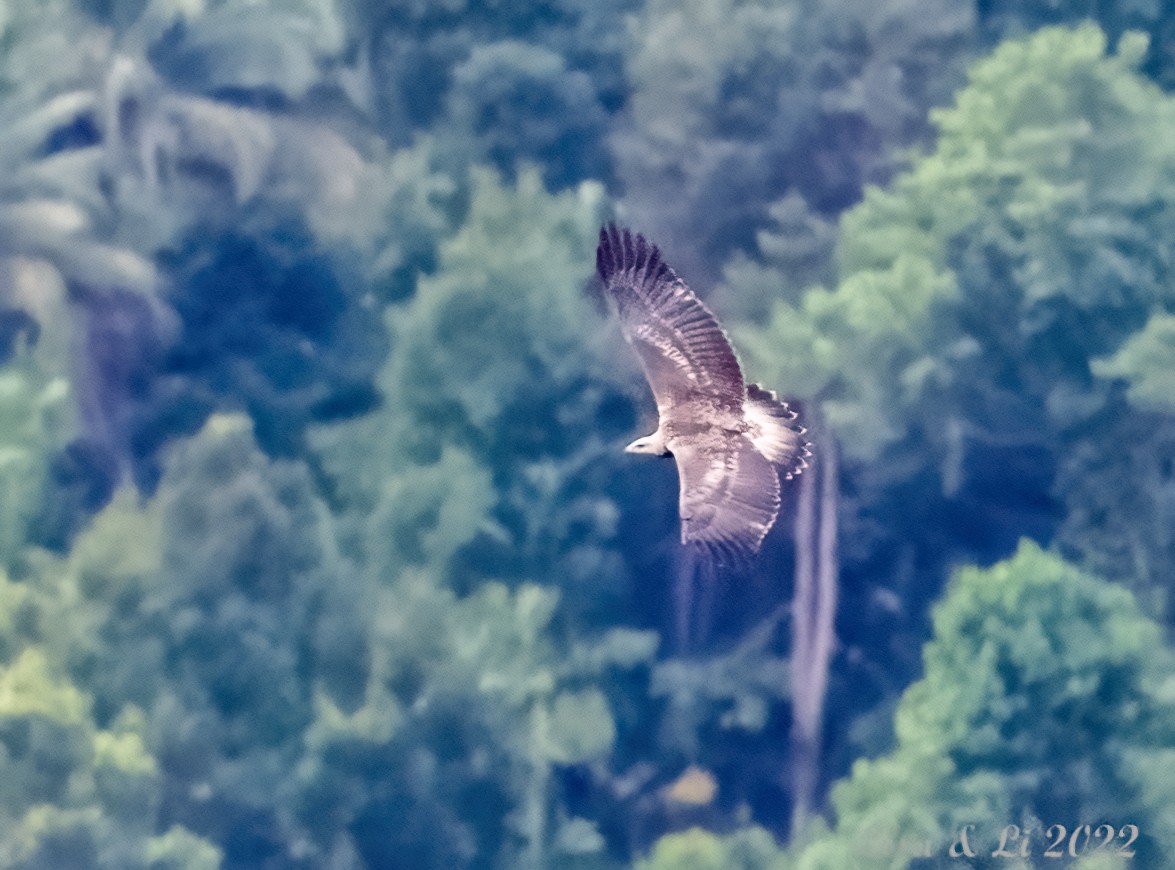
(74, 794)
(987, 301)
(738, 106)
(1146, 361)
(513, 101)
(317, 544)
(494, 411)
(696, 849)
(218, 609)
(1046, 699)
(734, 692)
(36, 415)
(1048, 175)
(1011, 18)
(501, 404)
(118, 178)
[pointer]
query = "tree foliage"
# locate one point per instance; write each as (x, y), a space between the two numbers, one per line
(749, 849)
(983, 355)
(1044, 171)
(738, 105)
(986, 299)
(76, 794)
(317, 544)
(1046, 699)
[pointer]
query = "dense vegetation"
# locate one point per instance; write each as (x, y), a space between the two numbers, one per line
(317, 544)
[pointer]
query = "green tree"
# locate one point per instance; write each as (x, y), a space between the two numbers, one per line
(1033, 218)
(418, 64)
(253, 613)
(472, 706)
(696, 849)
(221, 609)
(742, 106)
(1146, 362)
(252, 52)
(513, 102)
(1046, 699)
(297, 705)
(111, 160)
(501, 357)
(74, 794)
(36, 415)
(486, 523)
(956, 358)
(1003, 19)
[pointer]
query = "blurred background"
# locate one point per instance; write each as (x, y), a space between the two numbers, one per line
(318, 547)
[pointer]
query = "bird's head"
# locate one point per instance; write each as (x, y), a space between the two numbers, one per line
(649, 445)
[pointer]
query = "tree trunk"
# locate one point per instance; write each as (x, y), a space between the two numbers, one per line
(813, 621)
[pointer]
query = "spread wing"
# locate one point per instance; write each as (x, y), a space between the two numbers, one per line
(729, 496)
(684, 352)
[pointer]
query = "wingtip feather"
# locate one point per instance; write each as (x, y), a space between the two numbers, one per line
(621, 251)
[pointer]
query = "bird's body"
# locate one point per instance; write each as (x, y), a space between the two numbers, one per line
(731, 440)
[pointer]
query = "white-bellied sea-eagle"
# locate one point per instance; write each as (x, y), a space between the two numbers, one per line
(731, 440)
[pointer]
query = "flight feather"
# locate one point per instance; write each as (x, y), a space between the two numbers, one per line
(678, 340)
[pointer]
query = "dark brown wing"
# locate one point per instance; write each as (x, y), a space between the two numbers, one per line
(729, 495)
(684, 352)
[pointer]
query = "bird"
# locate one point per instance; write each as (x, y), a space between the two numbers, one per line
(731, 440)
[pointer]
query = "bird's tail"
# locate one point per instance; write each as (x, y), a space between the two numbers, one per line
(774, 431)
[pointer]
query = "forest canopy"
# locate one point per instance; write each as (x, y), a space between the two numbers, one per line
(318, 546)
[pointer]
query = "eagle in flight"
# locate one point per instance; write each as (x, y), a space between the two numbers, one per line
(731, 439)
